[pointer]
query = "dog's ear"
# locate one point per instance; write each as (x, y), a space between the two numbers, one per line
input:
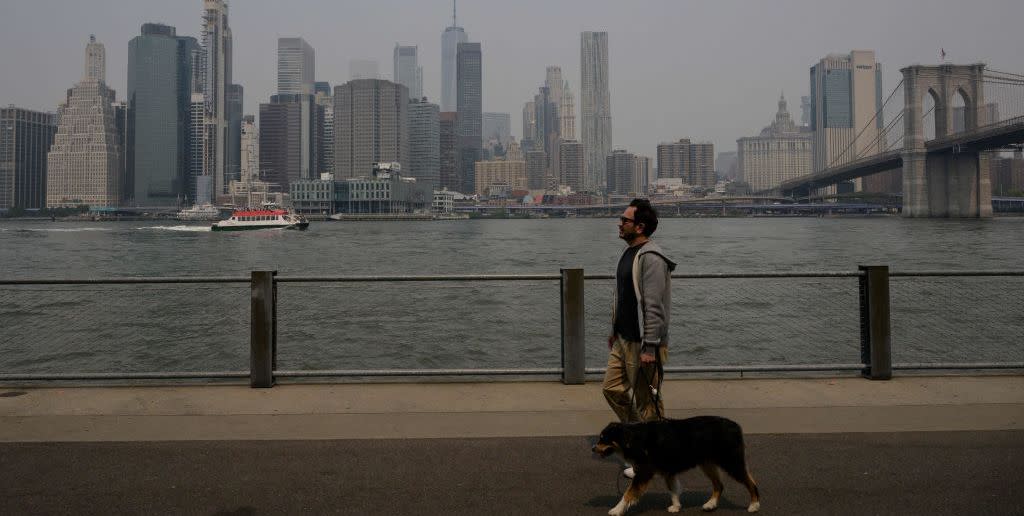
(633, 440)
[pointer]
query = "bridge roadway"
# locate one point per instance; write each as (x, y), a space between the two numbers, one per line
(912, 445)
(992, 136)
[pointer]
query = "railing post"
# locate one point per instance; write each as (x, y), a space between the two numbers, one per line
(875, 328)
(573, 336)
(263, 333)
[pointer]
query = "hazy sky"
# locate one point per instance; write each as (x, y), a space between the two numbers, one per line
(707, 70)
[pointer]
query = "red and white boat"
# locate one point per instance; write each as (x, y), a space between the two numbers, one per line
(267, 218)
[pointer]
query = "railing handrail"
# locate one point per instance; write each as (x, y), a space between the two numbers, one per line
(493, 277)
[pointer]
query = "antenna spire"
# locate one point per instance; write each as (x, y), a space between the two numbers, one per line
(454, 23)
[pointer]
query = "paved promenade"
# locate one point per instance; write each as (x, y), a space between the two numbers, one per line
(913, 445)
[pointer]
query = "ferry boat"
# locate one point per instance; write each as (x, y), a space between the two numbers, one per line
(265, 218)
(199, 212)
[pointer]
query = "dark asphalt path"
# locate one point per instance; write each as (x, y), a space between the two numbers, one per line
(836, 474)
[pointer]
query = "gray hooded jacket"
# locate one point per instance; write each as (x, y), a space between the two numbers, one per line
(652, 284)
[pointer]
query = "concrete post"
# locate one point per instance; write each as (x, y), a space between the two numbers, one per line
(263, 332)
(875, 327)
(573, 335)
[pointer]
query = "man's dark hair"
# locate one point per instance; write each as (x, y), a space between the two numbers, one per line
(646, 215)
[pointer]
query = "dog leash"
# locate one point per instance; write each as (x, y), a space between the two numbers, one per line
(655, 391)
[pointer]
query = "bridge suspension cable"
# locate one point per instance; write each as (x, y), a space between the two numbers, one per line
(853, 144)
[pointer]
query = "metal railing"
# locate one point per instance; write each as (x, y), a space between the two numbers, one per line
(874, 302)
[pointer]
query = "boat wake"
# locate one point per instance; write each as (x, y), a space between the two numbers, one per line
(188, 229)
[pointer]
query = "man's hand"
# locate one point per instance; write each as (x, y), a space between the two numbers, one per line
(647, 358)
(611, 341)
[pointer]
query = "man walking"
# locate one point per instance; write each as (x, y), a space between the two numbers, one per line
(638, 343)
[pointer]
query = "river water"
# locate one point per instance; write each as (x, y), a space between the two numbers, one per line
(138, 328)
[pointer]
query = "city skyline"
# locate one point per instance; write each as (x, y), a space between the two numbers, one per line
(697, 94)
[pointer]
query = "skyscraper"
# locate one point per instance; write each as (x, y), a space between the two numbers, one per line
(424, 142)
(25, 138)
(567, 113)
(846, 92)
(371, 125)
(95, 60)
(233, 138)
(408, 71)
(595, 98)
(627, 173)
(497, 126)
(325, 99)
(217, 57)
(84, 164)
(363, 69)
(290, 133)
(571, 164)
(450, 39)
(529, 121)
(250, 152)
(448, 141)
(296, 66)
(470, 110)
(159, 122)
(694, 163)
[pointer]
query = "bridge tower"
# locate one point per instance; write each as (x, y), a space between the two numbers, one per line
(951, 184)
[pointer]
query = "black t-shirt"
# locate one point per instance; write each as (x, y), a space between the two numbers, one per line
(627, 323)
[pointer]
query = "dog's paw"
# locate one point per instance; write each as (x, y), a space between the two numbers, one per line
(674, 508)
(711, 505)
(754, 507)
(616, 511)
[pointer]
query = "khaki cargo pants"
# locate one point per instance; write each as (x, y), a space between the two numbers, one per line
(624, 373)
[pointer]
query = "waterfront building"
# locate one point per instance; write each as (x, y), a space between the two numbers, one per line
(363, 69)
(324, 99)
(497, 126)
(371, 125)
(449, 152)
(290, 135)
(159, 118)
(296, 67)
(469, 83)
(781, 152)
(536, 169)
(571, 164)
(370, 193)
(407, 70)
(500, 173)
(25, 138)
(444, 201)
(450, 39)
(216, 64)
(84, 165)
(595, 108)
(846, 92)
(424, 142)
(693, 163)
(250, 151)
